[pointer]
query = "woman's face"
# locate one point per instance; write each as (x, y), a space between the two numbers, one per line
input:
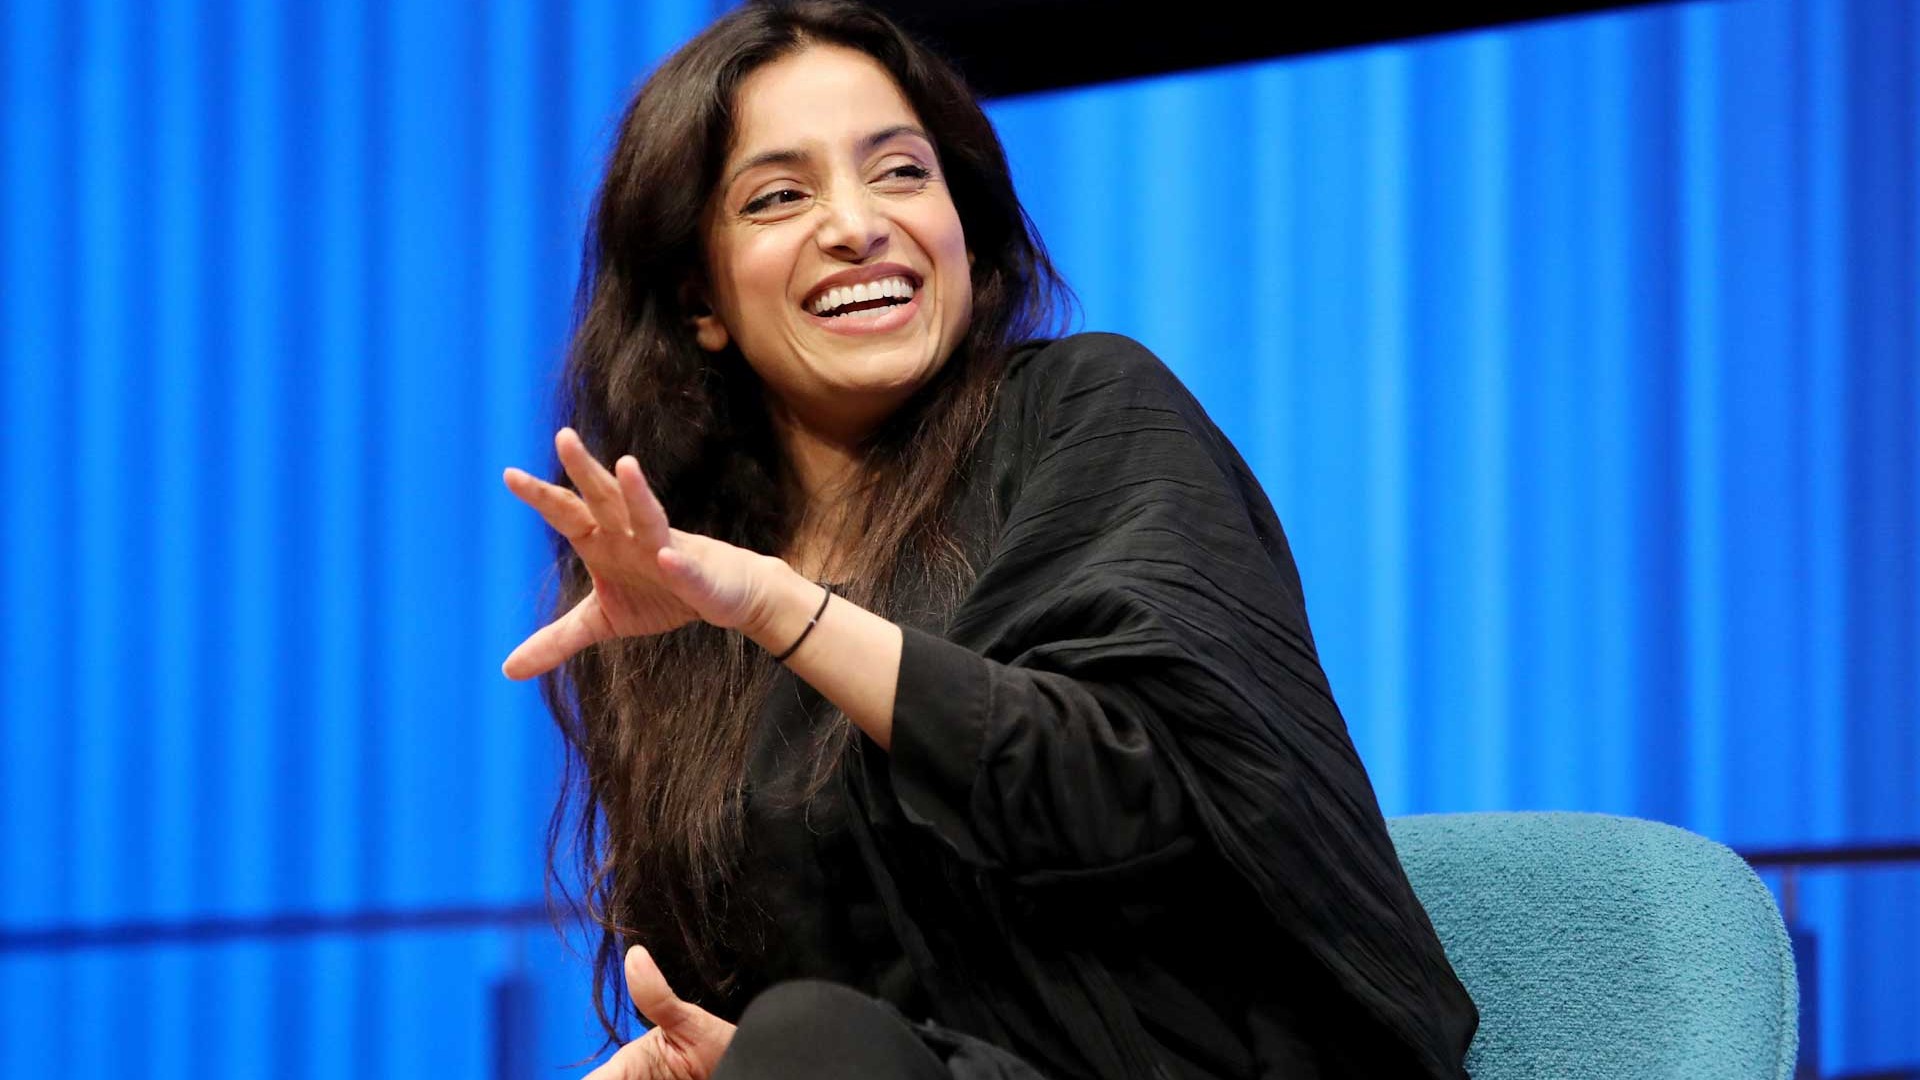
(835, 257)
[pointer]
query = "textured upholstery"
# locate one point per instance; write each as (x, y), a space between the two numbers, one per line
(1601, 946)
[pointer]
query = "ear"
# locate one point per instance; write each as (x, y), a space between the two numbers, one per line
(708, 330)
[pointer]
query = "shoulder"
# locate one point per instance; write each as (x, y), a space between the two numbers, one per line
(1094, 356)
(1089, 372)
(1105, 404)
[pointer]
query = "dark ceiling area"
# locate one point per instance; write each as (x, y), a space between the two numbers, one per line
(1011, 47)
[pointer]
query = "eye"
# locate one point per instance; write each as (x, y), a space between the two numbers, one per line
(912, 174)
(762, 203)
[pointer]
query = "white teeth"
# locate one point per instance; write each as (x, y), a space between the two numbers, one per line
(843, 295)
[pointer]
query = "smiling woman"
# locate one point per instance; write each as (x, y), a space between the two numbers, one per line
(940, 695)
(835, 209)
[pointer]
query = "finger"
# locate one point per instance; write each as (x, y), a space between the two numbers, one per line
(651, 994)
(552, 644)
(644, 512)
(596, 485)
(561, 508)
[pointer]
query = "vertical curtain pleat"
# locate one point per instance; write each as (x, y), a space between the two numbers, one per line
(1579, 358)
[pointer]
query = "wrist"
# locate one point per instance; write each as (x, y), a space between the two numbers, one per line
(790, 600)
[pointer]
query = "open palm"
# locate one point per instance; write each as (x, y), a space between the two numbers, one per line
(648, 577)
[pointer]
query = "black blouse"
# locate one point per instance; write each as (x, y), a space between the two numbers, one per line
(1122, 830)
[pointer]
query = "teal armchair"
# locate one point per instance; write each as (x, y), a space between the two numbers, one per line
(1606, 947)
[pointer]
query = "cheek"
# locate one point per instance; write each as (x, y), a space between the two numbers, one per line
(953, 239)
(756, 270)
(762, 269)
(946, 244)
(958, 263)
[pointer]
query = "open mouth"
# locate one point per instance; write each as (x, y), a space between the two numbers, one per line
(863, 300)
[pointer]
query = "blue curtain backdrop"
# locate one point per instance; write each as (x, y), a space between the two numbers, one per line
(1579, 358)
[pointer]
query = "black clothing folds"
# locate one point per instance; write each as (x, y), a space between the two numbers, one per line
(1122, 830)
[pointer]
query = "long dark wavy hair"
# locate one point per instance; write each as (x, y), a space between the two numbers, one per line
(658, 728)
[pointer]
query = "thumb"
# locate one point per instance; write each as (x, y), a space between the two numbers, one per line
(550, 646)
(700, 574)
(651, 994)
(685, 573)
(703, 1035)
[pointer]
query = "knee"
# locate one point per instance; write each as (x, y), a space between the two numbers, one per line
(810, 1029)
(799, 1008)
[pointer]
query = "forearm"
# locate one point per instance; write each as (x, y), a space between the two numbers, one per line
(852, 656)
(1020, 768)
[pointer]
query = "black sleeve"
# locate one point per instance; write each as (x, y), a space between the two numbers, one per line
(1025, 768)
(1128, 577)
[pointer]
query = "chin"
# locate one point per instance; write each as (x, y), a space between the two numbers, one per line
(883, 370)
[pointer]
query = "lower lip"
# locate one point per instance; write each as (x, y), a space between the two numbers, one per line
(892, 318)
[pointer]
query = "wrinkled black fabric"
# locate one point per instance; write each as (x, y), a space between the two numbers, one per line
(1122, 830)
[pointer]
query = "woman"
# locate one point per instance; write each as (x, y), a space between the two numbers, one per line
(943, 692)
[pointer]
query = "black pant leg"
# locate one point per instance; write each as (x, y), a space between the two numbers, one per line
(808, 1029)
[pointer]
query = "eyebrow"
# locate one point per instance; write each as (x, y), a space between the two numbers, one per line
(794, 157)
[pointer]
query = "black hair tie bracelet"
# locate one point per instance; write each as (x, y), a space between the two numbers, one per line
(782, 658)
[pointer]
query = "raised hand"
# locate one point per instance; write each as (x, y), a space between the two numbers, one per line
(648, 577)
(685, 1042)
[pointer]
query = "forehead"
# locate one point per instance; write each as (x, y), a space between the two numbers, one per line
(824, 97)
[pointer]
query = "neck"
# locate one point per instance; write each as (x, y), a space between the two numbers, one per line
(824, 465)
(826, 469)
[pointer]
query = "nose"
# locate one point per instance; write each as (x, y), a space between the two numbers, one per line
(853, 227)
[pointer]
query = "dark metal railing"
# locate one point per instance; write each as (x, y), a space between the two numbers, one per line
(1791, 861)
(223, 929)
(1790, 864)
(512, 996)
